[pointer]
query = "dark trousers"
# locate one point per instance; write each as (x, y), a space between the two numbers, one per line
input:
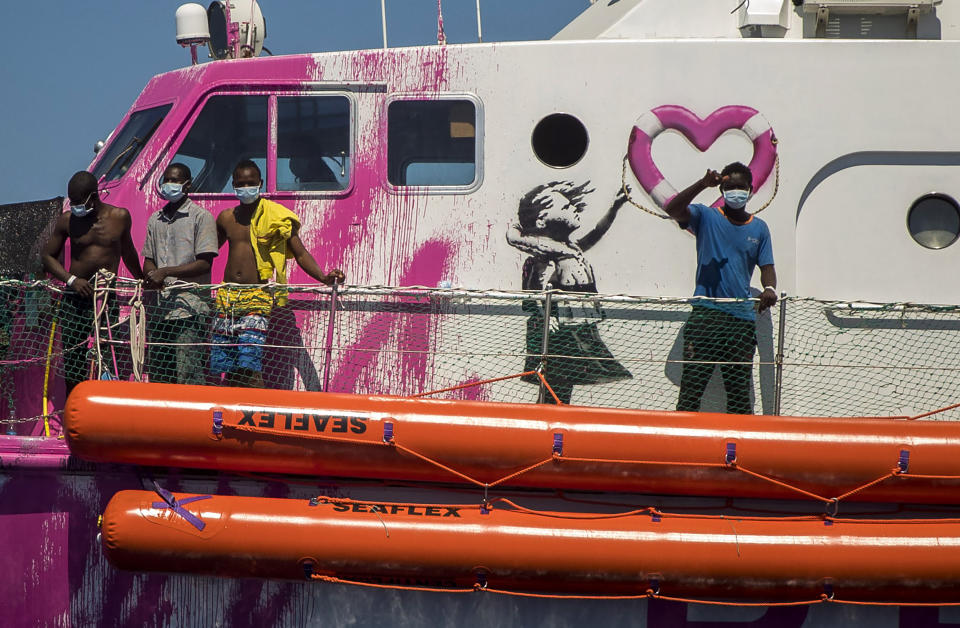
(177, 351)
(76, 320)
(712, 336)
(76, 323)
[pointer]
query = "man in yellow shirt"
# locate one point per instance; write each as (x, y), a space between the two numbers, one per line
(262, 236)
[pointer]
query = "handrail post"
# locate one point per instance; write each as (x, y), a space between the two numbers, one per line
(331, 322)
(778, 360)
(545, 344)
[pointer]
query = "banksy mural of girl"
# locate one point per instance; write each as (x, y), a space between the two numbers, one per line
(547, 216)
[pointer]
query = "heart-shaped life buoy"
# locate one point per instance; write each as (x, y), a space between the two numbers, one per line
(702, 133)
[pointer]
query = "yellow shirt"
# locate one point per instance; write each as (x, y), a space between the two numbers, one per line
(270, 228)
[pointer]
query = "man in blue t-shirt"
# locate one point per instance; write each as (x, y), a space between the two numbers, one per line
(730, 242)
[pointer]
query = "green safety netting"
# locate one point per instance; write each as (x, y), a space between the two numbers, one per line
(801, 357)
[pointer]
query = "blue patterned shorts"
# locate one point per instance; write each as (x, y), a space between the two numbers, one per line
(238, 344)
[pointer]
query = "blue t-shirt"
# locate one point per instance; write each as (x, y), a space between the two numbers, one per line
(726, 255)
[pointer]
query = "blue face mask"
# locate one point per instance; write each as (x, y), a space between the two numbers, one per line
(172, 192)
(80, 209)
(247, 195)
(736, 199)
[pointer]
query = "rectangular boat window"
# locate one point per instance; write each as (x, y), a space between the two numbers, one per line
(313, 143)
(126, 146)
(431, 142)
(230, 128)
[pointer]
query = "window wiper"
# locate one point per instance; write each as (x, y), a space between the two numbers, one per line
(133, 143)
(128, 150)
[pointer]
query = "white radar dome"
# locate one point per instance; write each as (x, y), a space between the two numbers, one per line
(192, 25)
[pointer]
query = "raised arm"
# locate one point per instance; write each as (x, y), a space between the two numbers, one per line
(679, 206)
(587, 241)
(309, 265)
(768, 278)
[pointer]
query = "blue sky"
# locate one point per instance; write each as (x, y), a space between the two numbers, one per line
(74, 68)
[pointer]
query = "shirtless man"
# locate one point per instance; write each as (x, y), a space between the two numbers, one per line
(262, 236)
(99, 237)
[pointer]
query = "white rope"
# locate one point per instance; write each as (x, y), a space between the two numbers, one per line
(99, 310)
(106, 279)
(138, 331)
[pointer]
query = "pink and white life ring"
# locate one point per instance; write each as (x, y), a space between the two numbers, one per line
(702, 133)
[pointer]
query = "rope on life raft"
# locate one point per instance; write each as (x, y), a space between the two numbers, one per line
(556, 456)
(652, 593)
(389, 440)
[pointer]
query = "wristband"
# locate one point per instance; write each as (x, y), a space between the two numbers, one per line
(71, 280)
(765, 288)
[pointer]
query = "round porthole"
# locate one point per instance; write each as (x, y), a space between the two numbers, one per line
(934, 221)
(560, 140)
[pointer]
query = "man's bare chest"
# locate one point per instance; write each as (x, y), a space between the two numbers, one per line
(105, 234)
(238, 234)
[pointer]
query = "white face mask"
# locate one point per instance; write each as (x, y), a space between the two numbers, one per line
(736, 199)
(247, 195)
(172, 192)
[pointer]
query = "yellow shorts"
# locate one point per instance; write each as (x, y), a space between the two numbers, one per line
(238, 302)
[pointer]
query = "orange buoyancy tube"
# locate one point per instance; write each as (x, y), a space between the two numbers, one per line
(449, 545)
(575, 447)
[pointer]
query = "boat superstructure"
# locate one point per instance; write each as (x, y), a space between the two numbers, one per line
(408, 167)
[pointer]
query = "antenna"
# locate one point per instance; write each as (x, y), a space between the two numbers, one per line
(237, 29)
(383, 21)
(479, 24)
(192, 27)
(441, 36)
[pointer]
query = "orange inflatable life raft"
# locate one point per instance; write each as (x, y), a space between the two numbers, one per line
(545, 446)
(451, 546)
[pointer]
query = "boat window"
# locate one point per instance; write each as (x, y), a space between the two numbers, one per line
(431, 142)
(934, 221)
(313, 143)
(230, 128)
(560, 140)
(124, 149)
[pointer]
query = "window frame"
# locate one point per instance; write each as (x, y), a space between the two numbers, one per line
(273, 138)
(943, 196)
(270, 176)
(477, 148)
(121, 126)
(586, 134)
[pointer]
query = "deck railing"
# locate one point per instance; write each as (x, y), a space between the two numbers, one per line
(813, 357)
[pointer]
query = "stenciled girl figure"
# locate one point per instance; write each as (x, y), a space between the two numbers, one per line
(547, 216)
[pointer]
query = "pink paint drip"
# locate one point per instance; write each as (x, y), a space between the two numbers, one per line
(472, 390)
(414, 333)
(371, 233)
(346, 233)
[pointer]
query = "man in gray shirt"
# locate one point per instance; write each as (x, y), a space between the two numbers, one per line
(180, 245)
